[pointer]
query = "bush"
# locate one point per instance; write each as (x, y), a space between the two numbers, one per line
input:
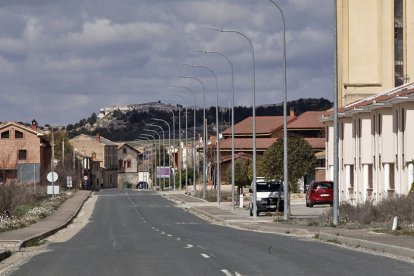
(377, 215)
(31, 214)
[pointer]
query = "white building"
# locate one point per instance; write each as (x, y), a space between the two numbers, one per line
(376, 146)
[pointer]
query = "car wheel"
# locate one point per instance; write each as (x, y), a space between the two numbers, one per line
(310, 204)
(257, 213)
(307, 204)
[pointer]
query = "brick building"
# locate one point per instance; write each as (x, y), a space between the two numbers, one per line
(25, 154)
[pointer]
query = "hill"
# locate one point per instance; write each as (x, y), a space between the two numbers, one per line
(126, 123)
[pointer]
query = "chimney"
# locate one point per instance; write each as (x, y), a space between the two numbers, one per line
(34, 125)
(292, 112)
(98, 138)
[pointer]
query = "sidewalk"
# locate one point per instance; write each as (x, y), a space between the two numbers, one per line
(12, 241)
(240, 218)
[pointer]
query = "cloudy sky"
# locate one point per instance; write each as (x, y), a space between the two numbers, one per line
(62, 60)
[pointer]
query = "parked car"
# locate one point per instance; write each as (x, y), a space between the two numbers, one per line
(142, 185)
(268, 193)
(319, 192)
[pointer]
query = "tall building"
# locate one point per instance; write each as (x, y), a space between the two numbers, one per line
(375, 47)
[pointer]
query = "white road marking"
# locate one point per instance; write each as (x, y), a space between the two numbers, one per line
(169, 235)
(189, 246)
(237, 274)
(178, 239)
(226, 272)
(205, 256)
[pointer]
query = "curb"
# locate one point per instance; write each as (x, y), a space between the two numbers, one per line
(46, 234)
(4, 255)
(351, 242)
(374, 246)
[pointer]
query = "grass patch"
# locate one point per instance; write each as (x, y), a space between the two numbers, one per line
(375, 215)
(34, 243)
(334, 241)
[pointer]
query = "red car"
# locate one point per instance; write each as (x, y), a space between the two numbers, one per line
(319, 192)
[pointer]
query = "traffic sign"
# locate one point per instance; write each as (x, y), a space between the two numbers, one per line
(69, 181)
(52, 177)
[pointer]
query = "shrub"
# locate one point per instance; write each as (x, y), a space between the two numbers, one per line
(380, 214)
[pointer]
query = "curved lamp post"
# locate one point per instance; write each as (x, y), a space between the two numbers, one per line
(204, 132)
(159, 147)
(144, 140)
(254, 115)
(286, 213)
(218, 186)
(194, 135)
(232, 124)
(173, 127)
(155, 151)
(169, 145)
(186, 143)
(163, 150)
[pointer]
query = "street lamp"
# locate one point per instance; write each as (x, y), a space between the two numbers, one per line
(217, 132)
(194, 135)
(159, 151)
(186, 143)
(232, 124)
(336, 125)
(144, 140)
(253, 115)
(163, 150)
(204, 132)
(169, 145)
(172, 111)
(286, 213)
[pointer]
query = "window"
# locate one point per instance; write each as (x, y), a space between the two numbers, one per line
(128, 163)
(22, 154)
(18, 134)
(5, 135)
(398, 42)
(379, 124)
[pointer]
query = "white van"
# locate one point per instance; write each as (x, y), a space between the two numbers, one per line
(268, 193)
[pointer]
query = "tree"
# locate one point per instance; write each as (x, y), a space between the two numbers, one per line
(301, 161)
(242, 176)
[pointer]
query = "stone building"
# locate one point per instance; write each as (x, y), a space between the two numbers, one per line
(102, 150)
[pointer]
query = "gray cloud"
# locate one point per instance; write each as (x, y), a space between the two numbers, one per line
(62, 60)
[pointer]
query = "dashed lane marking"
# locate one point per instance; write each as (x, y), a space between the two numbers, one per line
(226, 272)
(205, 256)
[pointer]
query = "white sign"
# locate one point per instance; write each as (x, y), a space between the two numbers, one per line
(85, 177)
(69, 181)
(52, 177)
(53, 190)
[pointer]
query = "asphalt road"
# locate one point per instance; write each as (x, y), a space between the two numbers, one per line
(141, 233)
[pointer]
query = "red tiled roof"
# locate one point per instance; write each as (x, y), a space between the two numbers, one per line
(264, 143)
(308, 120)
(264, 125)
(316, 143)
(247, 143)
(401, 91)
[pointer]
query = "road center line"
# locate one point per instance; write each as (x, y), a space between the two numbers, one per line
(205, 256)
